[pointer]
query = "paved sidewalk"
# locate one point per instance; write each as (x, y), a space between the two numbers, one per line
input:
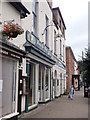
(62, 107)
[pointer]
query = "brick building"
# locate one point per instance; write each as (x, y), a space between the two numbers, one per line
(70, 66)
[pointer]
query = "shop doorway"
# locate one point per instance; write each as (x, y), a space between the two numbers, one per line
(31, 85)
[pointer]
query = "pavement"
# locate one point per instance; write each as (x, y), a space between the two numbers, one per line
(62, 107)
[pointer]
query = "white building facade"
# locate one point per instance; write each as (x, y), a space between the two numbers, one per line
(11, 58)
(36, 58)
(59, 69)
(39, 59)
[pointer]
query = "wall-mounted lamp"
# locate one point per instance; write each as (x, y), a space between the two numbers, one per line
(58, 35)
(46, 28)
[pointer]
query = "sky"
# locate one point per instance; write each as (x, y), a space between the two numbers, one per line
(75, 15)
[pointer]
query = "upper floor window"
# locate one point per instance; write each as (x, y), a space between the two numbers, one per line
(47, 34)
(34, 6)
(54, 41)
(34, 11)
(63, 53)
(60, 49)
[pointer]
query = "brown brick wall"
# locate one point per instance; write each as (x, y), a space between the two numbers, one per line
(69, 67)
(58, 18)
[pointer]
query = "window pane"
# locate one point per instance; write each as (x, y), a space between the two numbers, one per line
(46, 35)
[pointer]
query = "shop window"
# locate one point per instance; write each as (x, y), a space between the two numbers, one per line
(47, 32)
(41, 83)
(46, 79)
(60, 49)
(35, 12)
(9, 86)
(47, 82)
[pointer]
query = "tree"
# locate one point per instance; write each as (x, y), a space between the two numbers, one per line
(87, 66)
(84, 67)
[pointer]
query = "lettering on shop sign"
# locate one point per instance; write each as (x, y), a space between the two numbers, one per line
(8, 53)
(15, 56)
(3, 52)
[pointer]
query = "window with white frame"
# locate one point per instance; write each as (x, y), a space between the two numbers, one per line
(47, 34)
(34, 11)
(63, 52)
(54, 41)
(60, 49)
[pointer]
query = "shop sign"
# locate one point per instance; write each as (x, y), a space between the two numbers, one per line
(28, 36)
(8, 53)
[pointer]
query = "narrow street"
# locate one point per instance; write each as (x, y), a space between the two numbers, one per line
(62, 107)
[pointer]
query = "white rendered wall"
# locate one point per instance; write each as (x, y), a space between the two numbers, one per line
(44, 9)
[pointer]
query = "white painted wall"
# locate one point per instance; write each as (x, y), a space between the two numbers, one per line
(9, 13)
(45, 10)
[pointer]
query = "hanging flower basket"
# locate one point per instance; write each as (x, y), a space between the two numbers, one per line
(12, 30)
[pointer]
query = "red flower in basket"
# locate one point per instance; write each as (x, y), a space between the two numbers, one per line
(12, 30)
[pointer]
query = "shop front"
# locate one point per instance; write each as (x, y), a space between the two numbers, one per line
(39, 63)
(10, 58)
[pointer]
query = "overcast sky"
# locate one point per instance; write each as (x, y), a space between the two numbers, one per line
(75, 15)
